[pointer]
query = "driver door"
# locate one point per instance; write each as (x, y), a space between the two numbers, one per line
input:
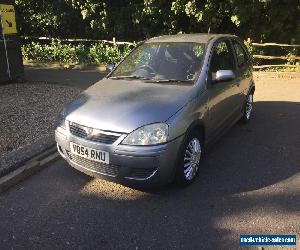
(222, 102)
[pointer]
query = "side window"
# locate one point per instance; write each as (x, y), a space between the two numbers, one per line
(222, 58)
(241, 55)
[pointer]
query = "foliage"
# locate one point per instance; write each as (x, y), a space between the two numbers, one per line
(97, 53)
(135, 20)
(291, 54)
(104, 53)
(261, 20)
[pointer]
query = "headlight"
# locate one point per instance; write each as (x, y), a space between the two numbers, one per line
(61, 121)
(152, 134)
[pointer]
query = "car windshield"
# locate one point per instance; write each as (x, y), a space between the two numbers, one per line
(162, 62)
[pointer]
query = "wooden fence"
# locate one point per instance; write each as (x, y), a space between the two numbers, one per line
(266, 57)
(275, 57)
(76, 40)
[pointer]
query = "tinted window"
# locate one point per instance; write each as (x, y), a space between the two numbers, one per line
(240, 53)
(222, 58)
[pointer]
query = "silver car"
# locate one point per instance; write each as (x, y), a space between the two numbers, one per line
(151, 118)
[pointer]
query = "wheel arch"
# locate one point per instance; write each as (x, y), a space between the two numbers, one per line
(198, 125)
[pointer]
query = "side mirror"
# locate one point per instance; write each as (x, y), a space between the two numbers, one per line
(224, 75)
(110, 67)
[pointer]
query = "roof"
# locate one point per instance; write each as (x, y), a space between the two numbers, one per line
(195, 38)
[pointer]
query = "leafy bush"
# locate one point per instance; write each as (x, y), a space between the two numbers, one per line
(249, 45)
(56, 51)
(292, 53)
(104, 53)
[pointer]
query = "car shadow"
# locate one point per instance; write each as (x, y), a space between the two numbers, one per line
(254, 155)
(258, 154)
(235, 188)
(246, 159)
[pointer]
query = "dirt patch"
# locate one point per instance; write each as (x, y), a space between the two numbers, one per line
(277, 86)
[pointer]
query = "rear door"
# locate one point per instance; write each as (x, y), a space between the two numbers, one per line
(243, 71)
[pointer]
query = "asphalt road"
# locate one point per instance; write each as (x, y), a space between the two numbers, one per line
(249, 183)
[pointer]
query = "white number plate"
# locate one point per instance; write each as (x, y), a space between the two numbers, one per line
(90, 153)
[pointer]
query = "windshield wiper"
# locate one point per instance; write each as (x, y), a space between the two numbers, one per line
(170, 80)
(130, 77)
(152, 79)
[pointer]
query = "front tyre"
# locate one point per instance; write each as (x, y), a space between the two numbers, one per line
(189, 159)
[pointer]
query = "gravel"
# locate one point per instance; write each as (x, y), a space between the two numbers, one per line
(27, 116)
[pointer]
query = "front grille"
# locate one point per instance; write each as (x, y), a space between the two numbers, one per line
(98, 167)
(95, 136)
(141, 173)
(102, 138)
(77, 131)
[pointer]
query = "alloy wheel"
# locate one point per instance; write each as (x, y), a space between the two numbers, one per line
(192, 157)
(249, 106)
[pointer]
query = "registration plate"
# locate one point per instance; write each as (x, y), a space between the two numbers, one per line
(90, 153)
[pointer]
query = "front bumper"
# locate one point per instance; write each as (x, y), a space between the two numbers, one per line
(142, 164)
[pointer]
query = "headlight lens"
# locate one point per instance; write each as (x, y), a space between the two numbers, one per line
(148, 135)
(61, 121)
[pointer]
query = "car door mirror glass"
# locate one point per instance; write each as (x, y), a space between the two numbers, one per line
(223, 75)
(110, 67)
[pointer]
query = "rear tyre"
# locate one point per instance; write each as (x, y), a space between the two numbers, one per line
(248, 108)
(189, 159)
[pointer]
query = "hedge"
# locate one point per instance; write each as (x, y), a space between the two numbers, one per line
(80, 53)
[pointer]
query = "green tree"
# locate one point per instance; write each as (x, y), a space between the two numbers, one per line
(266, 20)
